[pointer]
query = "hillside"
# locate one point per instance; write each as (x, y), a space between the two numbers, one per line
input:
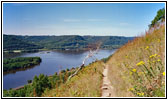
(57, 85)
(87, 83)
(72, 42)
(135, 70)
(138, 68)
(12, 42)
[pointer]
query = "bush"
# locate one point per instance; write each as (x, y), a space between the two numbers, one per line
(40, 84)
(29, 81)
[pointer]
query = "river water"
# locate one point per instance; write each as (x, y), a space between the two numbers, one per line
(52, 61)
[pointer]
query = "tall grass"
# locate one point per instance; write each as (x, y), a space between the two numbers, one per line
(138, 68)
(87, 83)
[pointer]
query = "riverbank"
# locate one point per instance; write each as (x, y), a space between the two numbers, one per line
(86, 83)
(48, 50)
(21, 87)
(43, 82)
(51, 62)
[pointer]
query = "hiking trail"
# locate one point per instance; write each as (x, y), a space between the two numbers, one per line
(107, 88)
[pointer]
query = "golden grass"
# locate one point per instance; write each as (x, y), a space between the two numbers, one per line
(137, 68)
(87, 83)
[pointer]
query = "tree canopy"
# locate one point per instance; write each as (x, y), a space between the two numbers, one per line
(159, 17)
(12, 64)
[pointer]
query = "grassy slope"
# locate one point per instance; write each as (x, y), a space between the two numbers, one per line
(87, 83)
(124, 70)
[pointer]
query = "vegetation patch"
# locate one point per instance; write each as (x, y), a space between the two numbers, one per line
(39, 84)
(67, 42)
(87, 83)
(138, 68)
(12, 64)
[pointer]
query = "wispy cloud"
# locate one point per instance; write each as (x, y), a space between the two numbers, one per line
(71, 20)
(95, 20)
(83, 20)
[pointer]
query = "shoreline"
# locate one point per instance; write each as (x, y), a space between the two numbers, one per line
(18, 87)
(59, 50)
(22, 86)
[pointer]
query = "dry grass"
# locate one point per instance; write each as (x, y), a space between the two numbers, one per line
(136, 69)
(144, 79)
(87, 83)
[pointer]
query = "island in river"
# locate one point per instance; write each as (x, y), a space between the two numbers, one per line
(13, 64)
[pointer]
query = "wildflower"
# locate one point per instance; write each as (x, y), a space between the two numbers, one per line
(140, 63)
(134, 70)
(152, 56)
(148, 61)
(147, 47)
(163, 73)
(159, 40)
(155, 55)
(131, 89)
(140, 94)
(158, 60)
(154, 61)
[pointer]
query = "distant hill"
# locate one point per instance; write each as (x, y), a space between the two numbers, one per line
(12, 42)
(72, 42)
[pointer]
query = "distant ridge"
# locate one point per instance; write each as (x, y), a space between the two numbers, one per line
(72, 42)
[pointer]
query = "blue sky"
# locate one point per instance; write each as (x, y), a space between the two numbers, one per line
(121, 19)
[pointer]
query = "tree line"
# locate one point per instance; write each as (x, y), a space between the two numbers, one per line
(69, 42)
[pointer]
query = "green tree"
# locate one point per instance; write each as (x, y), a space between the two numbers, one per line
(40, 84)
(160, 16)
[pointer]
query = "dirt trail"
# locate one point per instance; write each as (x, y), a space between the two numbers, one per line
(107, 89)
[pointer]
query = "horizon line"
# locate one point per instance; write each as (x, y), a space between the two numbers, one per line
(71, 35)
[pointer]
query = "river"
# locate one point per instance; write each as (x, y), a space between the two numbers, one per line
(52, 61)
